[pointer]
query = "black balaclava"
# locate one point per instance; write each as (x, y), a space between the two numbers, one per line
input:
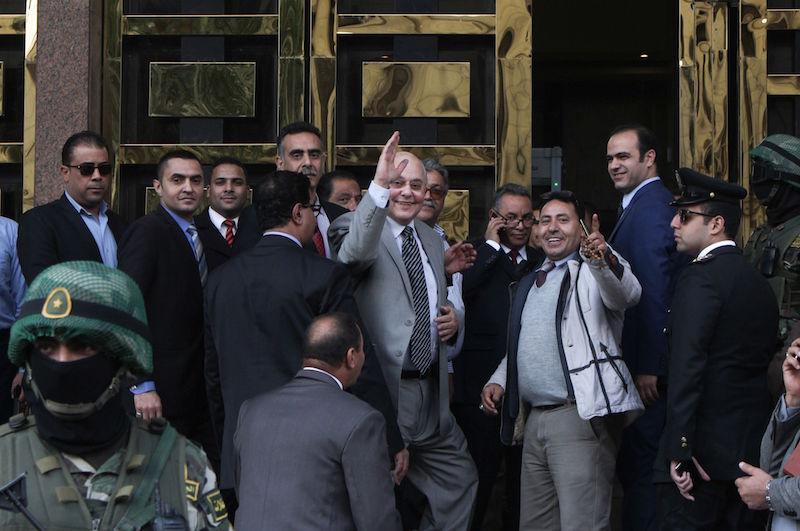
(71, 383)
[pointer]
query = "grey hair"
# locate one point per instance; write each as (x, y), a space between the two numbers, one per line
(509, 189)
(434, 165)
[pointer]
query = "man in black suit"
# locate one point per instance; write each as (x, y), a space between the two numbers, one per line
(163, 254)
(226, 227)
(325, 464)
(258, 306)
(78, 225)
(503, 257)
(300, 150)
(721, 335)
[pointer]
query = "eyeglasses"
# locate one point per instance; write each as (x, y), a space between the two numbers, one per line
(527, 220)
(315, 207)
(684, 215)
(437, 192)
(87, 168)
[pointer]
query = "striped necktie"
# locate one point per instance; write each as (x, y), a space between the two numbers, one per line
(202, 268)
(420, 345)
(229, 224)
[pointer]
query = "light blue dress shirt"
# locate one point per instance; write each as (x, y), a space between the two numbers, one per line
(12, 283)
(100, 230)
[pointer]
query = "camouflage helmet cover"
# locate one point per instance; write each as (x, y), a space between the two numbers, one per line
(87, 300)
(779, 152)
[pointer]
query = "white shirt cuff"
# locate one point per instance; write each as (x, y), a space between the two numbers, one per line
(379, 194)
(493, 244)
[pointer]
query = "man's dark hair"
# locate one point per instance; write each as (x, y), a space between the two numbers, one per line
(731, 213)
(434, 165)
(509, 189)
(330, 336)
(325, 184)
(233, 161)
(565, 196)
(293, 129)
(646, 139)
(176, 154)
(84, 138)
(277, 195)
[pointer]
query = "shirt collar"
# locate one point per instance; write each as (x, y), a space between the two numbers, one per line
(627, 198)
(285, 235)
(80, 209)
(182, 223)
(559, 263)
(396, 228)
(339, 383)
(217, 219)
(521, 251)
(723, 243)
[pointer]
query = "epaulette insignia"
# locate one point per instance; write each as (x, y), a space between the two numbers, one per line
(192, 487)
(704, 259)
(796, 242)
(216, 505)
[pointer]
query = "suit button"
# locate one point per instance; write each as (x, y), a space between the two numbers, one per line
(683, 445)
(683, 439)
(409, 322)
(665, 330)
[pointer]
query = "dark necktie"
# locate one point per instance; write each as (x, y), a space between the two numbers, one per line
(420, 345)
(229, 224)
(513, 254)
(319, 243)
(541, 275)
(620, 210)
(202, 268)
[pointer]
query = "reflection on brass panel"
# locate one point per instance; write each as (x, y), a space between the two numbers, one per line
(207, 153)
(12, 24)
(291, 89)
(290, 28)
(10, 152)
(446, 155)
(323, 29)
(323, 99)
(152, 25)
(207, 90)
(687, 83)
(514, 29)
(112, 88)
(454, 218)
(752, 99)
(514, 142)
(435, 90)
(417, 24)
(2, 70)
(783, 19)
(783, 85)
(29, 107)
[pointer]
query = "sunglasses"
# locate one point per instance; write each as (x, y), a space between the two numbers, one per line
(684, 214)
(87, 168)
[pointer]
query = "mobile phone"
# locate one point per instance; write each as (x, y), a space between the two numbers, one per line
(501, 230)
(686, 466)
(583, 226)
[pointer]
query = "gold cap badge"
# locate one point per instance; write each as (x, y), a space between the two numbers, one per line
(58, 304)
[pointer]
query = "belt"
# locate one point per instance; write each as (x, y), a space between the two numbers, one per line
(414, 374)
(569, 402)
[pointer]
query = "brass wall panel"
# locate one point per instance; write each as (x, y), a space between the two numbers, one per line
(417, 24)
(687, 82)
(783, 84)
(783, 19)
(446, 155)
(207, 153)
(11, 153)
(454, 218)
(29, 106)
(514, 92)
(752, 99)
(200, 25)
(13, 24)
(202, 89)
(322, 71)
(112, 89)
(2, 70)
(291, 62)
(415, 89)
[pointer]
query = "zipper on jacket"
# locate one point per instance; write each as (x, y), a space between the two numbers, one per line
(604, 350)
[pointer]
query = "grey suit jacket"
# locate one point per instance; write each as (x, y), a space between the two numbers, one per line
(310, 456)
(780, 440)
(364, 242)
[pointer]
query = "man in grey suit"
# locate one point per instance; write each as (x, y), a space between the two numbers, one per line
(309, 456)
(402, 294)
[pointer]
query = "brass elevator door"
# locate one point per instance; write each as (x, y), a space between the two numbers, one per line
(222, 77)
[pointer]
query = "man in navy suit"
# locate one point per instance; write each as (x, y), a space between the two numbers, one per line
(644, 238)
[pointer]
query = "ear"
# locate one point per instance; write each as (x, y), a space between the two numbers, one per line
(279, 162)
(717, 225)
(297, 214)
(65, 172)
(352, 358)
(650, 157)
(157, 186)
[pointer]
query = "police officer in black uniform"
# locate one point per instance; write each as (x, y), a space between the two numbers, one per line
(721, 332)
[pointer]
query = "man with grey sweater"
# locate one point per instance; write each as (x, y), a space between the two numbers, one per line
(568, 392)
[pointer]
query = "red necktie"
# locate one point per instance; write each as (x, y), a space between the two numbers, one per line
(229, 224)
(319, 243)
(513, 254)
(541, 275)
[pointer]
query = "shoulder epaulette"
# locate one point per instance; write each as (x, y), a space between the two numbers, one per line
(703, 260)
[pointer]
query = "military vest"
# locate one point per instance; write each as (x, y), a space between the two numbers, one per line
(53, 498)
(776, 250)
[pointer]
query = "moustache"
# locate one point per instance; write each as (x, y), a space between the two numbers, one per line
(308, 171)
(429, 204)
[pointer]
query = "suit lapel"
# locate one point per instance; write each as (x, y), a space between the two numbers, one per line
(79, 227)
(627, 211)
(212, 237)
(388, 241)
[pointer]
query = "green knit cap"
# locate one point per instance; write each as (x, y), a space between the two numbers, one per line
(779, 152)
(85, 300)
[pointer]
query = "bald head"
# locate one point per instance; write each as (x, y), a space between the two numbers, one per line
(333, 343)
(407, 191)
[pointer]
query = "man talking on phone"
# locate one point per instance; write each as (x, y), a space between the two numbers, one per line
(721, 335)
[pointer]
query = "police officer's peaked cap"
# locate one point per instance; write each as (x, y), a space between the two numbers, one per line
(779, 152)
(698, 188)
(90, 301)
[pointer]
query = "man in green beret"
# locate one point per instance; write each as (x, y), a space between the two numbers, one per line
(80, 462)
